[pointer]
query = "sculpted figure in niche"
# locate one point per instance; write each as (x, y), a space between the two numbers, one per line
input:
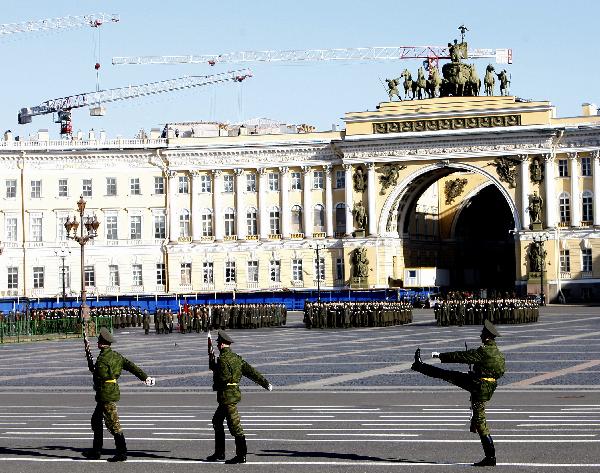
(536, 257)
(536, 170)
(360, 215)
(535, 208)
(359, 179)
(360, 262)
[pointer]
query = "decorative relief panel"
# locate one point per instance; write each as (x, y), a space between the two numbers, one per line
(447, 124)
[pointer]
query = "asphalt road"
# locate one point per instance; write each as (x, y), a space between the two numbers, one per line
(344, 400)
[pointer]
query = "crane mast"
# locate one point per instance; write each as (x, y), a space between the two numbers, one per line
(93, 20)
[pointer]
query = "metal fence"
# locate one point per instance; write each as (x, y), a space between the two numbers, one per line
(26, 330)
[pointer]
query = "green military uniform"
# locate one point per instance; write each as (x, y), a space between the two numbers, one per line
(228, 370)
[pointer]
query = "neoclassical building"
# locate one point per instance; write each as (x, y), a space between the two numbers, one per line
(469, 184)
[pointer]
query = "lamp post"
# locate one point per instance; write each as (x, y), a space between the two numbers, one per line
(539, 240)
(318, 275)
(91, 227)
(62, 253)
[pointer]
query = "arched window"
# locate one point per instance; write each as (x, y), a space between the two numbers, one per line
(184, 223)
(229, 221)
(206, 221)
(319, 218)
(564, 207)
(587, 210)
(251, 221)
(296, 219)
(340, 218)
(274, 223)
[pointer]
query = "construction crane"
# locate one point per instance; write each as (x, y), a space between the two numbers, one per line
(93, 20)
(63, 106)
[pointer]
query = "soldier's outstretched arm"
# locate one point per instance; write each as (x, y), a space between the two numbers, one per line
(468, 357)
(134, 369)
(251, 373)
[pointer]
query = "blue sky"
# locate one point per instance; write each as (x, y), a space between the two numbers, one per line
(555, 50)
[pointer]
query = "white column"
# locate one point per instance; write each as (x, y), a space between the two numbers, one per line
(263, 214)
(348, 198)
(596, 184)
(524, 191)
(195, 210)
(307, 201)
(549, 191)
(371, 196)
(173, 210)
(217, 190)
(284, 201)
(328, 201)
(575, 198)
(240, 210)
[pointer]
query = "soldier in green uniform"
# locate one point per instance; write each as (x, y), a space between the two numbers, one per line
(227, 370)
(107, 370)
(481, 382)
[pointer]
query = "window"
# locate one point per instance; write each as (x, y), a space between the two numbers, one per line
(159, 185)
(135, 227)
(339, 269)
(63, 188)
(206, 223)
(111, 227)
(318, 180)
(111, 186)
(228, 183)
(136, 272)
(89, 276)
(586, 166)
(205, 184)
(184, 224)
(296, 219)
(86, 188)
(36, 189)
(587, 214)
(273, 179)
(252, 271)
(564, 206)
(274, 221)
(229, 222)
(275, 270)
(340, 179)
(134, 186)
(251, 182)
(10, 229)
(320, 268)
(251, 222)
(296, 181)
(12, 277)
(160, 226)
(565, 261)
(319, 218)
(586, 260)
(11, 188)
(36, 228)
(297, 270)
(563, 168)
(229, 271)
(340, 218)
(61, 232)
(161, 274)
(186, 273)
(184, 185)
(38, 277)
(113, 275)
(207, 272)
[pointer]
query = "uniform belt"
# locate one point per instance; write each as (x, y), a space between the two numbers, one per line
(110, 380)
(232, 384)
(491, 380)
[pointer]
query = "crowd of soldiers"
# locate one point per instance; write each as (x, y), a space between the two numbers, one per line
(476, 311)
(356, 314)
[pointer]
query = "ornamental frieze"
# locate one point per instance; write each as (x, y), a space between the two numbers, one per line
(441, 124)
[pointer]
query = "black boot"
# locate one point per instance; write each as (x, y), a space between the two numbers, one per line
(121, 445)
(219, 454)
(96, 451)
(240, 451)
(418, 362)
(489, 450)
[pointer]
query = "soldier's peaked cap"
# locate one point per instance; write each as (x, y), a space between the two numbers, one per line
(224, 337)
(105, 336)
(489, 327)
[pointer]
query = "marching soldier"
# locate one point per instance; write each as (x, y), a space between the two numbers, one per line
(488, 366)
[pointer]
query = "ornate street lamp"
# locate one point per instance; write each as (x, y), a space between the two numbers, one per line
(539, 239)
(62, 253)
(91, 225)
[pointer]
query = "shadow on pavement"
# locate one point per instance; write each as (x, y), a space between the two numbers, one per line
(333, 455)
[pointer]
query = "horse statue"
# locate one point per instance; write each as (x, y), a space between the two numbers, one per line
(421, 83)
(489, 80)
(408, 84)
(433, 83)
(473, 85)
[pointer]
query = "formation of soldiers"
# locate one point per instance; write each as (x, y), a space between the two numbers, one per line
(476, 311)
(356, 314)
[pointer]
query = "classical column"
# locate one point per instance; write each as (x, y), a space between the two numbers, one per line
(348, 198)
(263, 214)
(217, 190)
(575, 198)
(240, 211)
(307, 201)
(371, 196)
(284, 201)
(524, 190)
(328, 201)
(549, 191)
(596, 184)
(195, 210)
(173, 210)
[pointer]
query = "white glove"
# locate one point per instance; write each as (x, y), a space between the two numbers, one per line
(270, 387)
(150, 381)
(435, 354)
